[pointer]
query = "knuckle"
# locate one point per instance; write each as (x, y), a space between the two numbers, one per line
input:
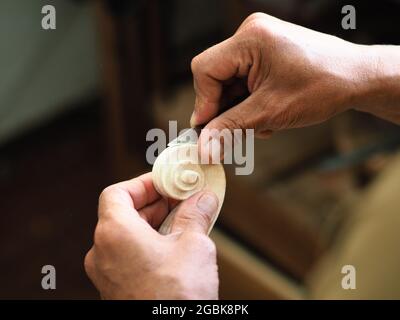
(105, 194)
(256, 27)
(110, 233)
(203, 243)
(256, 15)
(250, 18)
(88, 262)
(195, 63)
(104, 235)
(255, 19)
(209, 246)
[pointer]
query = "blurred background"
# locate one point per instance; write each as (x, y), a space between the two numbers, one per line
(76, 104)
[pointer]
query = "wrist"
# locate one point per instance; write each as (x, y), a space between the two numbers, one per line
(378, 89)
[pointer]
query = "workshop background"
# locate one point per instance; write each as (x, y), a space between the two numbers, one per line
(77, 102)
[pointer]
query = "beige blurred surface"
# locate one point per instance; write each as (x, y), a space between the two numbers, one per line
(370, 242)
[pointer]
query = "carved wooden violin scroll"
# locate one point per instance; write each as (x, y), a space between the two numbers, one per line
(178, 174)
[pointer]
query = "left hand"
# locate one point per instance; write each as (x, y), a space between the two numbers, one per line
(130, 259)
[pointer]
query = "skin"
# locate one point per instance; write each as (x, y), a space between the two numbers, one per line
(291, 77)
(131, 260)
(287, 77)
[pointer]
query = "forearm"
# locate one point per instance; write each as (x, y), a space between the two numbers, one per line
(380, 89)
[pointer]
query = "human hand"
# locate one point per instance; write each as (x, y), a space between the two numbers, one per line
(293, 76)
(131, 260)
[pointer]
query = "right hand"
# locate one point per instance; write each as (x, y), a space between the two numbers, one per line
(294, 77)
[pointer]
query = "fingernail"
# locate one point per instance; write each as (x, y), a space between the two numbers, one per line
(207, 203)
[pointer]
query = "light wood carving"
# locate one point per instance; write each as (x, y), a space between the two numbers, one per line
(178, 174)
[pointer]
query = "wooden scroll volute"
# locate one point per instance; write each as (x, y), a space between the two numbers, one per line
(178, 174)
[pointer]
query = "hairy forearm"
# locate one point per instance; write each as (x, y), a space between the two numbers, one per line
(380, 93)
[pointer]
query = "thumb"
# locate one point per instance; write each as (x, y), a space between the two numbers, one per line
(195, 214)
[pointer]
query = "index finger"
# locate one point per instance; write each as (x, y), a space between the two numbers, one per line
(210, 69)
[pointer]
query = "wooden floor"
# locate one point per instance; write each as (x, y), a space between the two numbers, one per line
(49, 185)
